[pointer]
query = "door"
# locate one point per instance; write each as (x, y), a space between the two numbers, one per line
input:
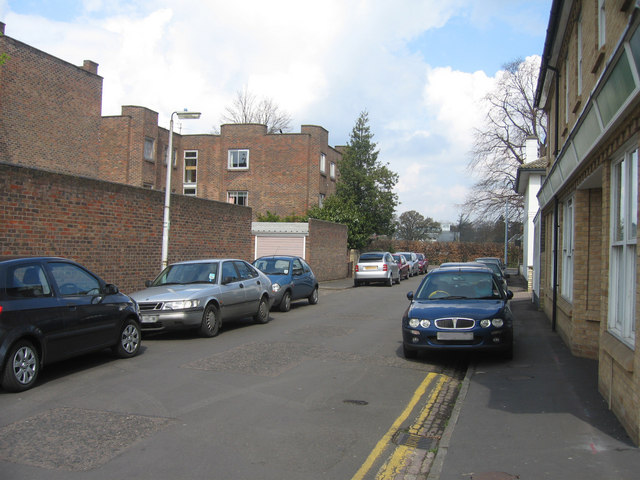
(301, 279)
(252, 287)
(232, 294)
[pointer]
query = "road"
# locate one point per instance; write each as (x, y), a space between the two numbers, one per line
(320, 392)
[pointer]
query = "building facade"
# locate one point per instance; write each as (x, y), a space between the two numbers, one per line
(589, 86)
(50, 116)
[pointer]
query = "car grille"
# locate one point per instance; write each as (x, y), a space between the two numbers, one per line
(150, 306)
(455, 323)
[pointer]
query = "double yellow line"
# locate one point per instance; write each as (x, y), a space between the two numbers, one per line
(398, 458)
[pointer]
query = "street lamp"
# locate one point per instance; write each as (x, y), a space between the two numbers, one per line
(167, 193)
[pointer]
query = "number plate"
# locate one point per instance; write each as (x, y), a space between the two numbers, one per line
(371, 268)
(455, 335)
(149, 318)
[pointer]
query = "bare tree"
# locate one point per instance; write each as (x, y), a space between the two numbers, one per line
(499, 146)
(246, 108)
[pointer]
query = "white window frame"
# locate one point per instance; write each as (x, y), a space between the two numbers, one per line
(602, 24)
(189, 188)
(234, 195)
(174, 157)
(568, 215)
(567, 102)
(332, 170)
(323, 163)
(237, 151)
(623, 242)
(321, 199)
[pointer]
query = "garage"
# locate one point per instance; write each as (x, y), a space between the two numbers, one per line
(280, 238)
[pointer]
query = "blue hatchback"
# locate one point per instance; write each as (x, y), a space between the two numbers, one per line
(461, 308)
(291, 279)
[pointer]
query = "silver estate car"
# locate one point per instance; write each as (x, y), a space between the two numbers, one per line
(376, 267)
(201, 294)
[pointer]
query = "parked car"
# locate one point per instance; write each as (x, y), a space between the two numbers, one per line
(403, 265)
(52, 309)
(495, 260)
(495, 268)
(291, 279)
(459, 308)
(376, 267)
(202, 294)
(423, 263)
(412, 258)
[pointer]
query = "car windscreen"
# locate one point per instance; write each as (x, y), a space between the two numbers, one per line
(183, 273)
(459, 285)
(272, 266)
(371, 257)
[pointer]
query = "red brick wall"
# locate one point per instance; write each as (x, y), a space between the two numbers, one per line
(50, 111)
(113, 229)
(327, 252)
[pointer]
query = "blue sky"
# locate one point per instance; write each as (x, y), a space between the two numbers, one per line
(419, 67)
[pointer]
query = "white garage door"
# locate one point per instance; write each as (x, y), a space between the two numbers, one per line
(277, 245)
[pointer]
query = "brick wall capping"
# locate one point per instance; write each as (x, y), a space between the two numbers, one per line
(279, 228)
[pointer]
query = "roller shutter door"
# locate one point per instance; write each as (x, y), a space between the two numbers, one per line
(277, 245)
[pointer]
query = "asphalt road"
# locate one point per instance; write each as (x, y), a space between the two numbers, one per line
(320, 392)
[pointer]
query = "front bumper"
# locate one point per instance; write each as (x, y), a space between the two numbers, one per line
(475, 339)
(158, 320)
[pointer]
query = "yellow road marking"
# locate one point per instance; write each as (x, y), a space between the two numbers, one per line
(386, 439)
(397, 460)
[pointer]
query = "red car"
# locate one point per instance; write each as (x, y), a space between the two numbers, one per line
(403, 266)
(423, 263)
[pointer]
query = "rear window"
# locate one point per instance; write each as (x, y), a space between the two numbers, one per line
(25, 281)
(371, 257)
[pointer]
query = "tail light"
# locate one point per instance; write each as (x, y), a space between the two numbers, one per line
(357, 269)
(385, 267)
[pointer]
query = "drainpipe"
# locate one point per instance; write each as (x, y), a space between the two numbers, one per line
(554, 314)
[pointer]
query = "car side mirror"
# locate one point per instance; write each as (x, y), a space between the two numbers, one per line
(110, 289)
(509, 294)
(410, 296)
(148, 283)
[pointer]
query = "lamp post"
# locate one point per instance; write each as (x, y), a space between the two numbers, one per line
(167, 193)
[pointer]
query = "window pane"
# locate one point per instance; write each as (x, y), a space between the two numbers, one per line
(616, 90)
(618, 199)
(633, 195)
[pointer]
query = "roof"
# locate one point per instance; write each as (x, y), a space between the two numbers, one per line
(525, 170)
(279, 228)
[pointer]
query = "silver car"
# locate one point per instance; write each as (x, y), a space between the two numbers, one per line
(412, 259)
(201, 294)
(376, 267)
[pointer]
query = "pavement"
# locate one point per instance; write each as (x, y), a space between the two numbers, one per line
(538, 416)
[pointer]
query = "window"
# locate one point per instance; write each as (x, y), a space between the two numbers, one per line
(323, 163)
(190, 172)
(27, 281)
(624, 231)
(73, 280)
(173, 157)
(238, 198)
(566, 90)
(579, 54)
(321, 198)
(602, 24)
(332, 170)
(239, 159)
(566, 287)
(148, 148)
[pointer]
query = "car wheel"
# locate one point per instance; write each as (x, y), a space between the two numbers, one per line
(409, 353)
(389, 281)
(356, 283)
(22, 367)
(398, 279)
(313, 298)
(129, 340)
(210, 326)
(285, 303)
(262, 316)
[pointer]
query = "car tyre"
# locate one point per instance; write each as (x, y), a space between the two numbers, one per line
(313, 298)
(285, 303)
(22, 367)
(128, 340)
(390, 281)
(409, 353)
(210, 326)
(356, 283)
(262, 315)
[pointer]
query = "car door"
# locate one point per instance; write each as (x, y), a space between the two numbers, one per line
(252, 285)
(232, 291)
(91, 320)
(301, 279)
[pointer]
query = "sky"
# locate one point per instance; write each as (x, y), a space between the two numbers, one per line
(419, 68)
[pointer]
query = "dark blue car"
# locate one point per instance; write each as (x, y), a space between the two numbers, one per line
(291, 279)
(458, 308)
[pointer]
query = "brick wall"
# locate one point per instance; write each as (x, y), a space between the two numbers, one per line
(50, 111)
(327, 249)
(113, 229)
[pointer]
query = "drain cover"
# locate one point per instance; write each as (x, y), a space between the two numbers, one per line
(356, 402)
(494, 476)
(414, 441)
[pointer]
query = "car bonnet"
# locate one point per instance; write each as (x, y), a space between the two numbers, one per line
(166, 293)
(476, 309)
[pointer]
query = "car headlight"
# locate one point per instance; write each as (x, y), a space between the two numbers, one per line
(275, 287)
(415, 322)
(496, 322)
(181, 305)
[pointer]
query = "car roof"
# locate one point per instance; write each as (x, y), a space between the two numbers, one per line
(278, 257)
(10, 258)
(207, 260)
(464, 266)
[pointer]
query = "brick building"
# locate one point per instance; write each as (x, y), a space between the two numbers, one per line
(586, 229)
(47, 102)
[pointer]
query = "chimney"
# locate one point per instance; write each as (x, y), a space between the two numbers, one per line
(530, 149)
(91, 67)
(2, 28)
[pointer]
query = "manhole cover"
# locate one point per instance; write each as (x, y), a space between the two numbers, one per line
(414, 441)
